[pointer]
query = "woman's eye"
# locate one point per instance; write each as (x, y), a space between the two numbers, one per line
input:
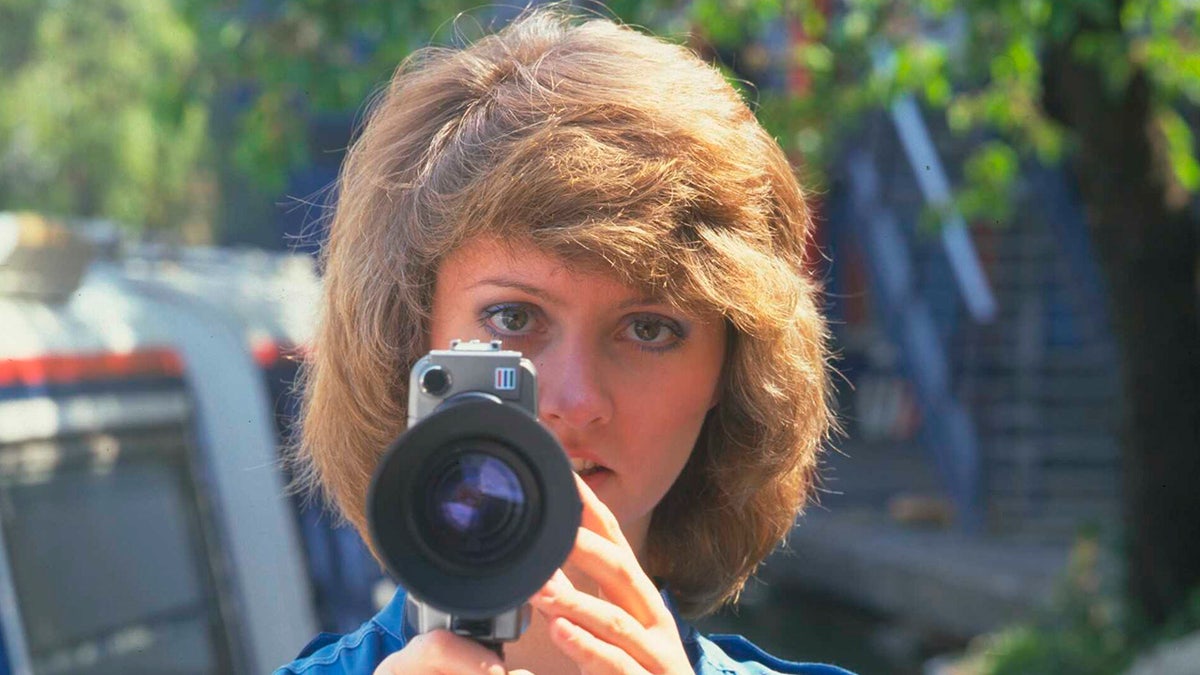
(653, 332)
(508, 319)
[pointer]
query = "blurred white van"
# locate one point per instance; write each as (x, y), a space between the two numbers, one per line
(144, 398)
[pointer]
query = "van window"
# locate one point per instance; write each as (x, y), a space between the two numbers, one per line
(112, 555)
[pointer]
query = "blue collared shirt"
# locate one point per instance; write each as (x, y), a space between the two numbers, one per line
(360, 652)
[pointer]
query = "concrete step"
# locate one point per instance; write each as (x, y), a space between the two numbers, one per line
(1086, 448)
(1057, 522)
(945, 580)
(1097, 389)
(1052, 484)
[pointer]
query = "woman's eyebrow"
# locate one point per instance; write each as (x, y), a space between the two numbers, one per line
(550, 298)
(641, 301)
(501, 282)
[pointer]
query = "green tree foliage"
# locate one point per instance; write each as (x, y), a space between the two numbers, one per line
(109, 102)
(292, 59)
(103, 112)
(1085, 629)
(1083, 632)
(978, 63)
(109, 106)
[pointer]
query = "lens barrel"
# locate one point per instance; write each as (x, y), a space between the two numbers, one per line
(474, 508)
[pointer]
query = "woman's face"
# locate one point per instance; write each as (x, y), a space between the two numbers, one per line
(624, 381)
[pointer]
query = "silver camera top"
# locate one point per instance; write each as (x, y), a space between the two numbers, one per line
(475, 369)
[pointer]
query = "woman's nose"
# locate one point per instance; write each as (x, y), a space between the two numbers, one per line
(572, 390)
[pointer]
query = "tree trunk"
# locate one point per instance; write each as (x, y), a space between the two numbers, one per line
(1147, 241)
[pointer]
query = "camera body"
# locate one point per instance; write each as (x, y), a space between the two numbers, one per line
(471, 369)
(474, 507)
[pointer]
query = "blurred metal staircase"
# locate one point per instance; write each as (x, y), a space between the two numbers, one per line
(1008, 415)
(1042, 379)
(1017, 401)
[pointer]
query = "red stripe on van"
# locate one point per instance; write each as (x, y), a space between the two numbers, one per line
(67, 368)
(267, 353)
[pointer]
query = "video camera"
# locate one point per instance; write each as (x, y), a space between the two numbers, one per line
(474, 507)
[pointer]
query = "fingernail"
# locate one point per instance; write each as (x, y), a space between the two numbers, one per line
(558, 581)
(553, 586)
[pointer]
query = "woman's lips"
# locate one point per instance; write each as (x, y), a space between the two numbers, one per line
(596, 477)
(583, 466)
(584, 462)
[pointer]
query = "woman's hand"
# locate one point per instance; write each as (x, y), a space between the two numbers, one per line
(441, 652)
(626, 631)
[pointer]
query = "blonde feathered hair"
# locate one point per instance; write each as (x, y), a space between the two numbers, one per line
(611, 149)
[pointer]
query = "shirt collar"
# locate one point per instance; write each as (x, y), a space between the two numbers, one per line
(687, 632)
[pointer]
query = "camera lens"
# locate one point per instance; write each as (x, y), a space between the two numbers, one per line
(435, 381)
(473, 508)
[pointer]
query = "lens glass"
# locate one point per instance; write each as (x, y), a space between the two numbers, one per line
(475, 507)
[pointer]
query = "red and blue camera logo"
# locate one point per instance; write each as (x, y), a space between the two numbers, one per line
(506, 379)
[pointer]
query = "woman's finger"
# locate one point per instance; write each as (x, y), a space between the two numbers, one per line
(610, 561)
(605, 620)
(597, 516)
(593, 655)
(620, 578)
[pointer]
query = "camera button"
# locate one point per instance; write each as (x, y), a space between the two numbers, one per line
(435, 381)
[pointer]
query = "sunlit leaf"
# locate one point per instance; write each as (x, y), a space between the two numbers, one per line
(1181, 149)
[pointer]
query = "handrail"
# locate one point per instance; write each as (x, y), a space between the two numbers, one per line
(949, 427)
(935, 187)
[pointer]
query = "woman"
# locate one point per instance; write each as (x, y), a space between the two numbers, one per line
(605, 203)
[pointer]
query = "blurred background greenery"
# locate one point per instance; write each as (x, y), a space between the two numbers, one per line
(135, 110)
(199, 121)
